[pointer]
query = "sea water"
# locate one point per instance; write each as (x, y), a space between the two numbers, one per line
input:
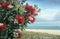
(44, 27)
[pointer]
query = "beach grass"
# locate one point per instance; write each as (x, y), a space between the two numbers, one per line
(38, 35)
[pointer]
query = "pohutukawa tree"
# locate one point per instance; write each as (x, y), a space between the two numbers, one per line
(14, 14)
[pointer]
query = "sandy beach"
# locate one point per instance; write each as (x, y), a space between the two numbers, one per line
(55, 32)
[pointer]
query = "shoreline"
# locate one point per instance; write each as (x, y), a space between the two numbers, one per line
(54, 32)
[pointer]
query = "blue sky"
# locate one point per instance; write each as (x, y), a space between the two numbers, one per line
(49, 14)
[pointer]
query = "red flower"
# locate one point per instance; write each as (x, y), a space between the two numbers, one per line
(19, 35)
(20, 19)
(31, 18)
(31, 9)
(27, 15)
(2, 26)
(4, 4)
(35, 14)
(0, 4)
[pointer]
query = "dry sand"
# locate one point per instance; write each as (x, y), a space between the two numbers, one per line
(55, 32)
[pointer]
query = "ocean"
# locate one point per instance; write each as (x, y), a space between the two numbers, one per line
(44, 27)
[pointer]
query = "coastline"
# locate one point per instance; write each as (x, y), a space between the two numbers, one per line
(54, 32)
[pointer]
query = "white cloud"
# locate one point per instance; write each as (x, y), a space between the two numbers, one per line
(48, 14)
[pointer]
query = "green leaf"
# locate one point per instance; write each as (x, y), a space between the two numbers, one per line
(17, 6)
(21, 10)
(37, 8)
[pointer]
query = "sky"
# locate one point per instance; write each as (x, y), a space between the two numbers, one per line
(49, 14)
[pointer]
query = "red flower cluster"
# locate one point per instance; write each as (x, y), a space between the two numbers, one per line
(20, 19)
(30, 18)
(4, 4)
(2, 26)
(31, 9)
(33, 12)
